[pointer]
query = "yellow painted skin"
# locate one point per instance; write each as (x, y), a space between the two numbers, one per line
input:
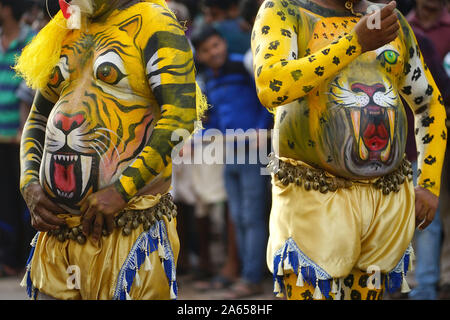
(110, 107)
(337, 108)
(105, 116)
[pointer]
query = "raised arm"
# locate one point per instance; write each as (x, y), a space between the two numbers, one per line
(422, 95)
(281, 74)
(171, 74)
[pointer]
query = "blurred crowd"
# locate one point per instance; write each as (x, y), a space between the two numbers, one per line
(223, 208)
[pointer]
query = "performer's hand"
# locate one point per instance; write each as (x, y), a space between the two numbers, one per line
(371, 39)
(98, 209)
(42, 210)
(426, 206)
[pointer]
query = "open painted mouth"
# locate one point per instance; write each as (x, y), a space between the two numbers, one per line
(373, 127)
(69, 176)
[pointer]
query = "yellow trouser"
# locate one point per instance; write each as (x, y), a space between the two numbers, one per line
(54, 263)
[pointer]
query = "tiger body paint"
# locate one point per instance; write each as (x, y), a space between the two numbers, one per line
(110, 108)
(124, 83)
(340, 110)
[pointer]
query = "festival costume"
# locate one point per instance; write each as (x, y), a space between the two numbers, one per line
(110, 96)
(343, 199)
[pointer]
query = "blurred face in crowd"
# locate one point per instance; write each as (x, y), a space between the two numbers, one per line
(214, 14)
(430, 6)
(212, 52)
(3, 12)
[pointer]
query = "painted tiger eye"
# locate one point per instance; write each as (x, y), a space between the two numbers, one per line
(56, 78)
(109, 73)
(390, 56)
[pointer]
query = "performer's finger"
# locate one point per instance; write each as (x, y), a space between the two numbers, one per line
(392, 28)
(109, 222)
(50, 218)
(88, 216)
(41, 224)
(420, 215)
(98, 227)
(84, 206)
(51, 206)
(429, 217)
(389, 20)
(388, 9)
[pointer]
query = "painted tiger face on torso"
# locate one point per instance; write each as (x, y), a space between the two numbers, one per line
(104, 113)
(353, 124)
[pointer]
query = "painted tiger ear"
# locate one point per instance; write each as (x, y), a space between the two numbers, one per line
(132, 26)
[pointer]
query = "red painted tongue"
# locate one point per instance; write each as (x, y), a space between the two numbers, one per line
(65, 177)
(64, 8)
(375, 136)
(378, 130)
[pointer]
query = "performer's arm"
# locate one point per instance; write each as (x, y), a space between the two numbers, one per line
(281, 75)
(422, 95)
(33, 137)
(42, 210)
(171, 74)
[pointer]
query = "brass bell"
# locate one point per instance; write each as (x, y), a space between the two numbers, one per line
(309, 174)
(61, 237)
(81, 239)
(316, 185)
(307, 185)
(121, 221)
(285, 181)
(322, 181)
(135, 224)
(76, 231)
(324, 189)
(332, 187)
(281, 174)
(126, 231)
(386, 191)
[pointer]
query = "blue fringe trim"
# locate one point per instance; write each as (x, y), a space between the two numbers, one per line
(145, 244)
(31, 290)
(395, 277)
(290, 257)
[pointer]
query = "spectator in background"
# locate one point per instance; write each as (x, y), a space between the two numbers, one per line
(232, 94)
(224, 16)
(447, 64)
(183, 15)
(249, 10)
(430, 23)
(13, 242)
(433, 19)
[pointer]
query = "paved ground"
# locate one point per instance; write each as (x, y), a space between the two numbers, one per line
(10, 290)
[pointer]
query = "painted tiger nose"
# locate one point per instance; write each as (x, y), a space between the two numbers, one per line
(67, 123)
(369, 90)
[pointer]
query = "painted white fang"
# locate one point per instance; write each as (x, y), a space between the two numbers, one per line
(48, 158)
(86, 166)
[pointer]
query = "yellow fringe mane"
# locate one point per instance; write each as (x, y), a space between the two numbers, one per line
(35, 64)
